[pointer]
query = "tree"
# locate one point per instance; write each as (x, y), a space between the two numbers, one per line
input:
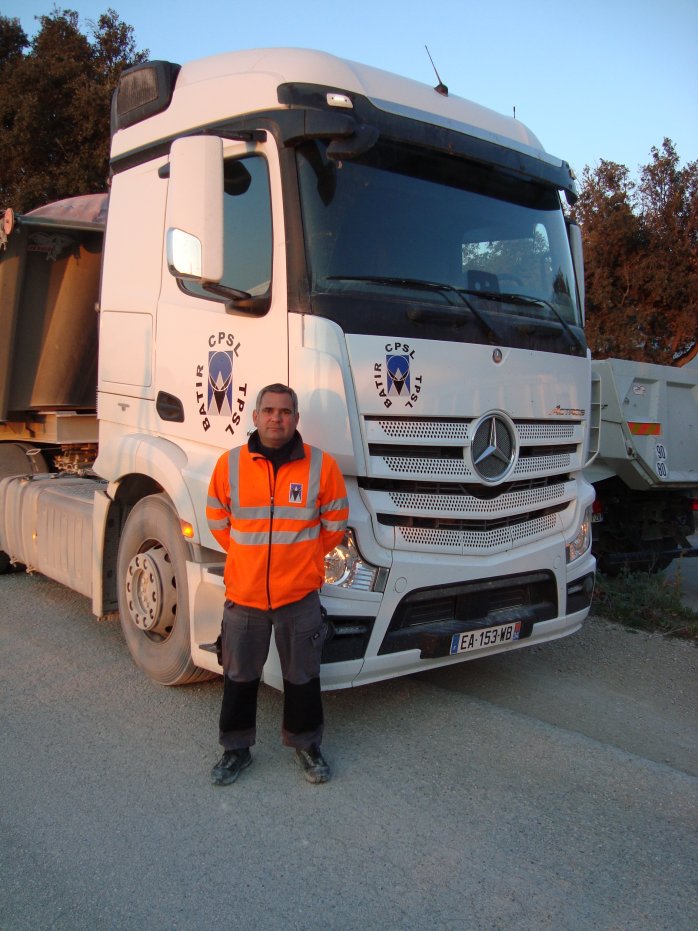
(55, 105)
(13, 39)
(668, 207)
(641, 258)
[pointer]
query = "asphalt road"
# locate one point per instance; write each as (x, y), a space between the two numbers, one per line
(552, 788)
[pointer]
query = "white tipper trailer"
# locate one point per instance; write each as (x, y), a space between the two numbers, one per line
(646, 472)
(402, 258)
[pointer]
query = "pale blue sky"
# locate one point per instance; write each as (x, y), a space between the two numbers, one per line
(600, 79)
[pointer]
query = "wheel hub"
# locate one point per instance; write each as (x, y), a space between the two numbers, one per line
(151, 591)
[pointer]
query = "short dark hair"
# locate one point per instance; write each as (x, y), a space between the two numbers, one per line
(278, 388)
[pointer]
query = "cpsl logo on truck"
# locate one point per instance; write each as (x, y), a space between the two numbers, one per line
(217, 394)
(396, 380)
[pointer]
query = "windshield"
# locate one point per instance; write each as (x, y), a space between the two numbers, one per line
(407, 225)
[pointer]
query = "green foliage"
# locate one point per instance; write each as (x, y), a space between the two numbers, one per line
(55, 97)
(647, 601)
(641, 258)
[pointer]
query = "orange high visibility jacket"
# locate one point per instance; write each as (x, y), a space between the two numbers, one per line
(276, 529)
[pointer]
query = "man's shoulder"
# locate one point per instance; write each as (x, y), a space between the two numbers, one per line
(329, 463)
(309, 448)
(230, 455)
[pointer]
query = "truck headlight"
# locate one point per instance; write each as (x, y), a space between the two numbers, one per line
(582, 541)
(345, 568)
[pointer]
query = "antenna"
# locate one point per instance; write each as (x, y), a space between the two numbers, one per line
(440, 87)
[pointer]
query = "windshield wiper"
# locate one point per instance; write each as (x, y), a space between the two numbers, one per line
(529, 301)
(420, 313)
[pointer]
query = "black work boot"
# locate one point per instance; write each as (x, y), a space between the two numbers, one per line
(230, 765)
(314, 765)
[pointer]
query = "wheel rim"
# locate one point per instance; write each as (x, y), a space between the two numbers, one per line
(151, 592)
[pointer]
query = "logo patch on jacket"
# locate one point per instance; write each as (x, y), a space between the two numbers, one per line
(295, 493)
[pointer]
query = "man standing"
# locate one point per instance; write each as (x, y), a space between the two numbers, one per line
(277, 506)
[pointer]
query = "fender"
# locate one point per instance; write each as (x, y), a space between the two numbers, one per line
(138, 454)
(157, 458)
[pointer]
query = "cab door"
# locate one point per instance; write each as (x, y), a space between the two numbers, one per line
(220, 341)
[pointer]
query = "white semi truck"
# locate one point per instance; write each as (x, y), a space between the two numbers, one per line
(398, 255)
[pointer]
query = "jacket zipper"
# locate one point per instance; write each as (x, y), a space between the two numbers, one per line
(272, 492)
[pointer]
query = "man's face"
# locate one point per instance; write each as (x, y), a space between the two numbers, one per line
(275, 420)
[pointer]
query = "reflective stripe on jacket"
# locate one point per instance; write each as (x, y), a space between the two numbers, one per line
(276, 529)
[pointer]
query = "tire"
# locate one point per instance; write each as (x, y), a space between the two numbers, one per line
(153, 593)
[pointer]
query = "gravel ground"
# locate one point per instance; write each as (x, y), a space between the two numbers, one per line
(554, 788)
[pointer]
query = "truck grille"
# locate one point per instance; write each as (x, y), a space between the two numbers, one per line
(425, 493)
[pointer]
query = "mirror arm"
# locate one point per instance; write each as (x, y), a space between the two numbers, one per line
(224, 291)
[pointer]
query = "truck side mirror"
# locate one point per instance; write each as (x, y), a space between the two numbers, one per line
(574, 234)
(194, 218)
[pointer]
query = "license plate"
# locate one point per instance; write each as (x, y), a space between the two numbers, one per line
(487, 637)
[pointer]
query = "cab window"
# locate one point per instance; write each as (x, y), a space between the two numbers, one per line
(247, 229)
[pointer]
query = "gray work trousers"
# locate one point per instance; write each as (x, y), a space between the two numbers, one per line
(299, 633)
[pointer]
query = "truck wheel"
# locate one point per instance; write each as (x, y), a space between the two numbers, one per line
(153, 594)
